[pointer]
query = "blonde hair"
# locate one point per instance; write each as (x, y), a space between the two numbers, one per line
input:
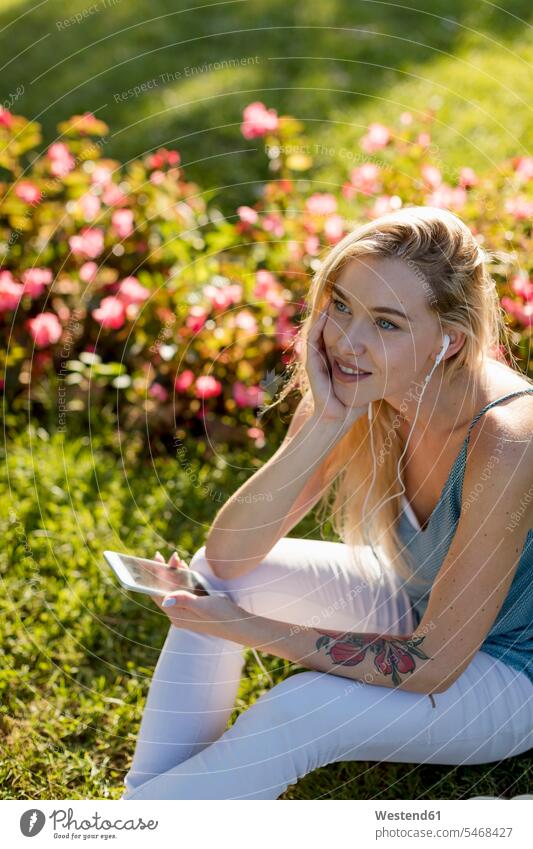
(441, 250)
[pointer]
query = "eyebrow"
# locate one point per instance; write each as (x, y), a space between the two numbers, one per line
(389, 310)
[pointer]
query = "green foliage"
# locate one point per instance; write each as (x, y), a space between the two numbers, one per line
(124, 291)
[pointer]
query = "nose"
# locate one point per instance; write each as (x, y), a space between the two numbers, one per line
(348, 343)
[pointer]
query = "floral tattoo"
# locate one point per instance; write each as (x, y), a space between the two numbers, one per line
(392, 655)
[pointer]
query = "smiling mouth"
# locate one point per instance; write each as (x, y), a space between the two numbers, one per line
(349, 370)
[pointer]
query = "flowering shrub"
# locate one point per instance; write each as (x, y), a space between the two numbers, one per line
(124, 287)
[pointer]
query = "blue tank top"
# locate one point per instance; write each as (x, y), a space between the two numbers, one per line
(511, 636)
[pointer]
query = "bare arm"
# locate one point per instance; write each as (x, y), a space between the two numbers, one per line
(275, 498)
(403, 661)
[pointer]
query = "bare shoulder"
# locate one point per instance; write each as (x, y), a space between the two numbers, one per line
(507, 427)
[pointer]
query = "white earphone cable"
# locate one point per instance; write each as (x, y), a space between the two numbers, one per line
(366, 535)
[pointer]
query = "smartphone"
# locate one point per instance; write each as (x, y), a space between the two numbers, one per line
(153, 578)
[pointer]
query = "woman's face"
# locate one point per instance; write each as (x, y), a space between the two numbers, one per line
(379, 320)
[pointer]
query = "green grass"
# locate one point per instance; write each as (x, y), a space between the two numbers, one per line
(79, 652)
(336, 67)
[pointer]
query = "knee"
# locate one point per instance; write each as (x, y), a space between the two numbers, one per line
(237, 589)
(291, 700)
(200, 563)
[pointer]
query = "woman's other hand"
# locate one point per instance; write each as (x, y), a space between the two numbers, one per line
(175, 562)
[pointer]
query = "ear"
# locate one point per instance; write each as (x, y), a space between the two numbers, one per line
(457, 340)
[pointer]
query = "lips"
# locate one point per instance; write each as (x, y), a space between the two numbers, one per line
(345, 377)
(358, 369)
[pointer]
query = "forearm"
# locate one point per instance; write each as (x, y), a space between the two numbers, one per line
(249, 524)
(386, 660)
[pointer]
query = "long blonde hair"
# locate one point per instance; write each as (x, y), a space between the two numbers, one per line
(440, 248)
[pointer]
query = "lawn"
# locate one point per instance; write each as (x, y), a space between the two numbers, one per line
(79, 652)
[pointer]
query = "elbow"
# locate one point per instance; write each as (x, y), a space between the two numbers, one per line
(443, 683)
(214, 565)
(427, 685)
(226, 570)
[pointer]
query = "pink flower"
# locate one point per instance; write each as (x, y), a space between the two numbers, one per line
(10, 292)
(273, 223)
(258, 120)
(101, 175)
(406, 118)
(90, 206)
(122, 221)
(163, 157)
(28, 192)
(157, 177)
(447, 197)
(334, 228)
(312, 245)
(424, 139)
(112, 195)
(431, 175)
(88, 272)
(207, 387)
(385, 204)
(285, 329)
(247, 396)
(184, 380)
(524, 167)
(158, 391)
(110, 313)
(61, 160)
(6, 118)
(45, 328)
(131, 291)
(245, 320)
(35, 279)
(366, 178)
(321, 203)
(222, 297)
(196, 318)
(257, 435)
(519, 207)
(467, 178)
(522, 286)
(264, 280)
(88, 244)
(267, 287)
(247, 215)
(522, 312)
(377, 136)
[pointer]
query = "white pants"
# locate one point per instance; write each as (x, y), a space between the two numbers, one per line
(185, 751)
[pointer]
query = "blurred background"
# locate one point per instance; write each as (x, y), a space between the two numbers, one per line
(170, 176)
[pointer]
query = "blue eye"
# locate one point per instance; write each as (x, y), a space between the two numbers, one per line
(335, 301)
(390, 323)
(393, 326)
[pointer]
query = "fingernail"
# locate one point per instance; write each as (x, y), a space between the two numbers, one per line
(169, 602)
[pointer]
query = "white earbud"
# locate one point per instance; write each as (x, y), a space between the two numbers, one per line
(438, 358)
(445, 346)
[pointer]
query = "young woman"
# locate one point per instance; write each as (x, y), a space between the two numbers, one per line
(417, 629)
